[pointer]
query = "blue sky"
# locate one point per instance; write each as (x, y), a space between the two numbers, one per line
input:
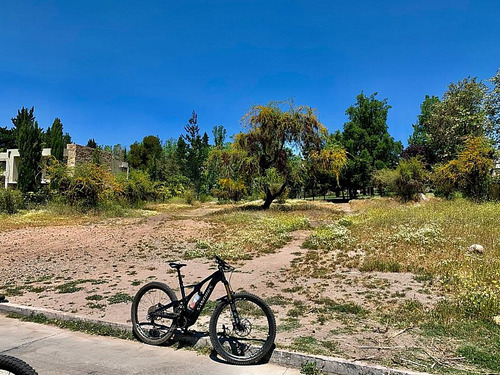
(117, 71)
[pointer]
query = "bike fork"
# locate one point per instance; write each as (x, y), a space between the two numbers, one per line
(236, 317)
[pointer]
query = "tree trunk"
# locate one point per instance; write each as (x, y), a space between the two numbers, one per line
(270, 197)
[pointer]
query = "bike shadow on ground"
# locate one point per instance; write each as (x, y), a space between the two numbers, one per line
(198, 340)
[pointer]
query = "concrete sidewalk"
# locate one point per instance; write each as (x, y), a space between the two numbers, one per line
(51, 350)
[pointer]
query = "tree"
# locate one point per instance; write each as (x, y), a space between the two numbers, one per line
(367, 142)
(420, 134)
(418, 142)
(92, 143)
(224, 166)
(29, 141)
(152, 156)
(147, 156)
(135, 157)
(219, 134)
(273, 133)
(196, 152)
(460, 114)
(57, 139)
(493, 110)
(7, 138)
(66, 139)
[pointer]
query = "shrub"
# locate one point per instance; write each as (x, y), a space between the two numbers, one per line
(190, 197)
(87, 185)
(138, 188)
(10, 201)
(410, 179)
(385, 181)
(228, 189)
(469, 173)
(445, 179)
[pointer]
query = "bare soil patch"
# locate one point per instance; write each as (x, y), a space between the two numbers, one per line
(95, 269)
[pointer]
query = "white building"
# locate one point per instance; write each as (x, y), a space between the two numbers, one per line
(73, 154)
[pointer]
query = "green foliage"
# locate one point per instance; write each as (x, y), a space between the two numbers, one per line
(469, 173)
(194, 152)
(329, 237)
(92, 143)
(272, 133)
(87, 186)
(385, 181)
(219, 133)
(367, 141)
(480, 356)
(460, 114)
(7, 138)
(420, 136)
(260, 234)
(120, 297)
(493, 110)
(227, 189)
(57, 140)
(29, 141)
(10, 201)
(410, 179)
(310, 368)
(138, 188)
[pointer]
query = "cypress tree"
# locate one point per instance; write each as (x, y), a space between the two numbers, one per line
(29, 141)
(56, 140)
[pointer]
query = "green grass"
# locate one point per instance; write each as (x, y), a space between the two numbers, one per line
(311, 345)
(310, 368)
(80, 326)
(94, 297)
(288, 325)
(242, 234)
(120, 297)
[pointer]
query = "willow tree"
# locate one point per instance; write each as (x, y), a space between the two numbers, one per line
(275, 133)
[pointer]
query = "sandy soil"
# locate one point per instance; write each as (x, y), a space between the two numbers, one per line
(121, 255)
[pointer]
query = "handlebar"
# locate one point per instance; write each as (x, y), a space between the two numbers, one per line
(222, 264)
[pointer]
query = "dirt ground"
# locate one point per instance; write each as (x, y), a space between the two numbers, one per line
(93, 270)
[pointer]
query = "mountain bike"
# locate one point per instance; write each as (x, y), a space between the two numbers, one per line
(14, 366)
(242, 327)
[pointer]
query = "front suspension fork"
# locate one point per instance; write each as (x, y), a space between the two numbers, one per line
(236, 317)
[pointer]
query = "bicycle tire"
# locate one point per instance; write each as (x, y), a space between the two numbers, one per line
(153, 331)
(251, 343)
(15, 366)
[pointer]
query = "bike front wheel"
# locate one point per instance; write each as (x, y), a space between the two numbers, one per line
(248, 342)
(149, 309)
(14, 366)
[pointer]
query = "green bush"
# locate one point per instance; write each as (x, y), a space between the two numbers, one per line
(385, 181)
(410, 179)
(87, 186)
(190, 197)
(138, 188)
(10, 201)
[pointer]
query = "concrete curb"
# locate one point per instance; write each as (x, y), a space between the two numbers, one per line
(329, 365)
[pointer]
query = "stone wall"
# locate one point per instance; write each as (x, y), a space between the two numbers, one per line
(81, 154)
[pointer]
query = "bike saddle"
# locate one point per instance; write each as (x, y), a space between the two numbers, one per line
(177, 266)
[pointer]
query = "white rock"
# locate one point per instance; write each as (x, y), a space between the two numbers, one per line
(478, 249)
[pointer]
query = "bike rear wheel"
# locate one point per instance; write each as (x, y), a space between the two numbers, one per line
(14, 366)
(147, 306)
(253, 339)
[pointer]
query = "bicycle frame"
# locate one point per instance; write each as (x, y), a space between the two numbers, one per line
(192, 315)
